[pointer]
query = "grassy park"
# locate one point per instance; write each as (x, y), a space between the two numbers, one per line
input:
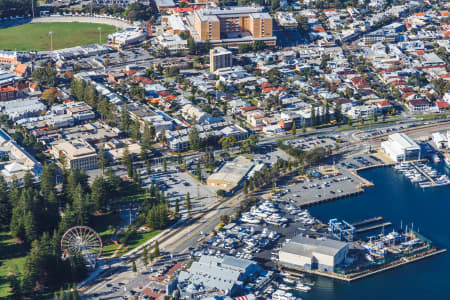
(11, 254)
(65, 35)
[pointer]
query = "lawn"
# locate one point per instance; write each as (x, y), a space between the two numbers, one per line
(10, 254)
(140, 238)
(104, 225)
(65, 35)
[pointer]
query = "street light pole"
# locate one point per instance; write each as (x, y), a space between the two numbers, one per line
(51, 40)
(100, 39)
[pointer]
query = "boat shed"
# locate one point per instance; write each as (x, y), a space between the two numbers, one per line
(313, 254)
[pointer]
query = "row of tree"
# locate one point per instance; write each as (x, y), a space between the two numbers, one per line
(86, 92)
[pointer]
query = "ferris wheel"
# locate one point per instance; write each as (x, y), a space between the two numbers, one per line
(82, 240)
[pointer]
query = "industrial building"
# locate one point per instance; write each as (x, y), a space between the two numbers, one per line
(400, 147)
(234, 25)
(225, 275)
(219, 58)
(313, 254)
(231, 174)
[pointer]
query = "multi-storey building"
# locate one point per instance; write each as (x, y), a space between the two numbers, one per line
(219, 57)
(76, 154)
(234, 25)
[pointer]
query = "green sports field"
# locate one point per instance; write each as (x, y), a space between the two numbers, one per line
(65, 35)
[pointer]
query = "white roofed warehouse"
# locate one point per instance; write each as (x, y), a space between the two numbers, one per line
(313, 254)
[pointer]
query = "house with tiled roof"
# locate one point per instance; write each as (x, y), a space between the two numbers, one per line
(418, 105)
(442, 105)
(21, 70)
(384, 105)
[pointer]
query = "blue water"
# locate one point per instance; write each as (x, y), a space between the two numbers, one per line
(396, 199)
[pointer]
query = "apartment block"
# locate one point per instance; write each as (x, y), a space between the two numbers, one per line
(219, 57)
(234, 25)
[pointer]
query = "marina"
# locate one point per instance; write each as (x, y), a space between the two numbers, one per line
(422, 174)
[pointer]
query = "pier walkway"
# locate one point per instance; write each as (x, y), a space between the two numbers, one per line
(424, 174)
(367, 221)
(373, 227)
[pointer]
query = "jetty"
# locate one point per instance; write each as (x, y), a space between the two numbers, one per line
(424, 174)
(373, 227)
(367, 221)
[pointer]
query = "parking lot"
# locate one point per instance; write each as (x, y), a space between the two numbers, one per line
(307, 191)
(177, 184)
(270, 156)
(310, 143)
(359, 161)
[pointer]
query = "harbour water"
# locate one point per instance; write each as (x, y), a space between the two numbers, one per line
(398, 200)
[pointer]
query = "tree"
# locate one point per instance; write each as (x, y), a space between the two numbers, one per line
(45, 75)
(220, 193)
(192, 47)
(15, 288)
(245, 187)
(225, 219)
(188, 202)
(303, 25)
(125, 119)
(5, 205)
(102, 159)
(304, 125)
(145, 256)
(148, 168)
(156, 250)
(194, 138)
(294, 130)
(259, 45)
(227, 142)
(198, 171)
(133, 267)
(164, 163)
(338, 113)
(80, 206)
(100, 194)
(177, 206)
(50, 95)
(327, 113)
(128, 162)
(313, 116)
(158, 216)
(251, 185)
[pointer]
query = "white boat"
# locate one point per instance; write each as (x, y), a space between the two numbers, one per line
(288, 280)
(284, 287)
(425, 184)
(246, 218)
(369, 257)
(302, 287)
(282, 295)
(436, 158)
(447, 159)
